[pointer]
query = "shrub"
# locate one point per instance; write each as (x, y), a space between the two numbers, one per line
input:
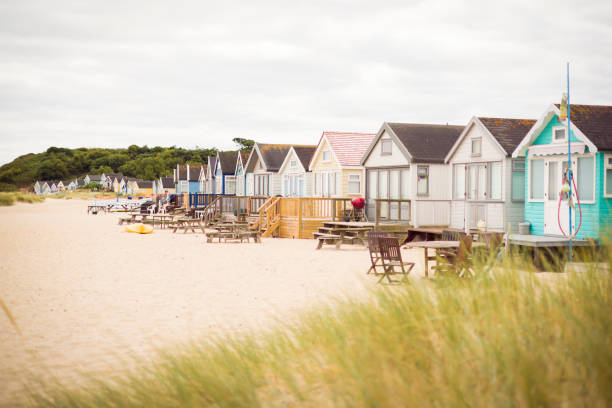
(7, 199)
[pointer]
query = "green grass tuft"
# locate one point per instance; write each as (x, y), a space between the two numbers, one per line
(7, 199)
(504, 338)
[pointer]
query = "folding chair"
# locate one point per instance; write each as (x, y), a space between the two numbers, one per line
(392, 258)
(374, 248)
(463, 260)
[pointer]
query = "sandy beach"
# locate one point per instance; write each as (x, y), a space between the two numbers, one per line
(85, 294)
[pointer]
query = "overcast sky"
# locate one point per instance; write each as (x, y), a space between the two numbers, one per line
(111, 74)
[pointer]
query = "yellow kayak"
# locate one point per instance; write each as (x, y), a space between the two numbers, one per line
(139, 228)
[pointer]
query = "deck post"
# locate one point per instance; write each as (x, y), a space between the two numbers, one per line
(333, 205)
(299, 218)
(377, 220)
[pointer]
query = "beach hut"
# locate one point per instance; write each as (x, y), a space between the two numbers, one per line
(261, 170)
(488, 187)
(144, 187)
(210, 175)
(335, 164)
(60, 186)
(42, 187)
(53, 187)
(294, 172)
(545, 150)
(108, 180)
(241, 161)
(225, 177)
(186, 178)
(202, 177)
(405, 171)
(165, 185)
(92, 178)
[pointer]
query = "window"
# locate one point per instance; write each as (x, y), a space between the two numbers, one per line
(317, 184)
(459, 181)
(476, 182)
(536, 180)
(559, 134)
(518, 180)
(354, 183)
(385, 147)
(554, 184)
(422, 180)
(326, 155)
(230, 185)
(476, 147)
(286, 186)
(586, 178)
(293, 163)
(608, 176)
(495, 181)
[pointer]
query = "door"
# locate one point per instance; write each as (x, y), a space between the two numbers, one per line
(555, 214)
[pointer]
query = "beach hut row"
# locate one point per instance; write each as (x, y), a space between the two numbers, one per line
(489, 173)
(115, 182)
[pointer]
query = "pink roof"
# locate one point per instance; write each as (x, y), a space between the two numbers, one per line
(348, 147)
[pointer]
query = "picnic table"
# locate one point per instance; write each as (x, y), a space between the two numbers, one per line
(436, 246)
(95, 208)
(234, 231)
(186, 224)
(162, 219)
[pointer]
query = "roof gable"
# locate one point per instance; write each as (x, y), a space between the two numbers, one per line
(227, 161)
(426, 143)
(603, 113)
(302, 155)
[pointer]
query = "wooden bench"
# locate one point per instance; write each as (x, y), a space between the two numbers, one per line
(127, 220)
(330, 239)
(241, 235)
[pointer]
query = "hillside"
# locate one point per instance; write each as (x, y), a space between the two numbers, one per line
(59, 163)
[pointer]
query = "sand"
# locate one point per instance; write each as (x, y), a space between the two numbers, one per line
(85, 294)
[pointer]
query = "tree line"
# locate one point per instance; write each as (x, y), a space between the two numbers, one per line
(60, 163)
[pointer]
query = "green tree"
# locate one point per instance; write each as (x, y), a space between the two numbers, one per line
(245, 145)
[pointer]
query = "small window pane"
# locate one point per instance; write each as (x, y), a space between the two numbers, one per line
(394, 184)
(553, 181)
(482, 183)
(495, 180)
(559, 134)
(459, 181)
(537, 179)
(385, 146)
(405, 176)
(422, 180)
(608, 181)
(476, 145)
(585, 178)
(372, 184)
(383, 186)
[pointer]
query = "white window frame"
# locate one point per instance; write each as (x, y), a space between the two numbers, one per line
(528, 175)
(607, 165)
(383, 143)
(513, 170)
(426, 167)
(328, 152)
(479, 140)
(353, 182)
(575, 170)
(554, 130)
(293, 164)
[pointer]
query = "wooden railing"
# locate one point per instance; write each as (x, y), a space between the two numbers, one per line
(390, 209)
(269, 214)
(332, 209)
(201, 199)
(212, 210)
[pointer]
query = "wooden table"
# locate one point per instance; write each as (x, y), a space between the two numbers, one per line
(162, 219)
(95, 208)
(436, 245)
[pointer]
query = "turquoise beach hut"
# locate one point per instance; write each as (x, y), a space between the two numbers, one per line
(545, 148)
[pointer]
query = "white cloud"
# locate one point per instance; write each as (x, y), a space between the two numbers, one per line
(201, 73)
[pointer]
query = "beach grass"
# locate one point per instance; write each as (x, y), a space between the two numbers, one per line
(8, 199)
(504, 338)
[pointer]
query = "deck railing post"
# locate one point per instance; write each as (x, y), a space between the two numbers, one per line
(333, 204)
(299, 219)
(377, 220)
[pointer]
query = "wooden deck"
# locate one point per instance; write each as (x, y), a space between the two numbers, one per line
(546, 241)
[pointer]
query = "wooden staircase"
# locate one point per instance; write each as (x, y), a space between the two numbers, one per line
(213, 212)
(269, 219)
